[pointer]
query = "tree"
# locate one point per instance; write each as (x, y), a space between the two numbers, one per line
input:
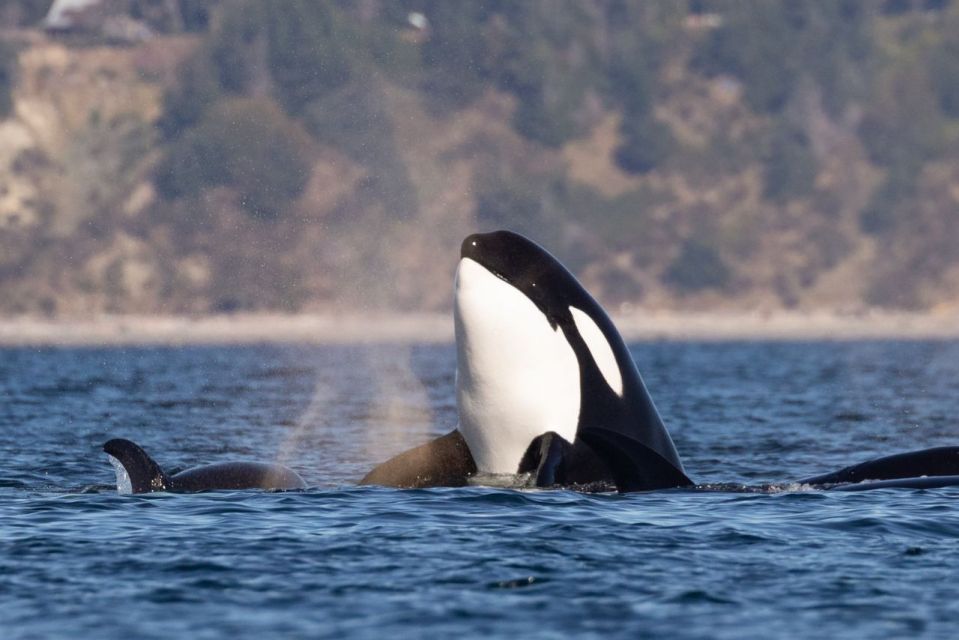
(944, 64)
(197, 89)
(645, 143)
(772, 46)
(454, 57)
(8, 66)
(641, 36)
(789, 170)
(301, 48)
(309, 50)
(697, 267)
(23, 13)
(247, 144)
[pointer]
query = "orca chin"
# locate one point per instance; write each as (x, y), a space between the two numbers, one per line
(137, 472)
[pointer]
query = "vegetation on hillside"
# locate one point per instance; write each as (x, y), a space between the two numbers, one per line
(690, 152)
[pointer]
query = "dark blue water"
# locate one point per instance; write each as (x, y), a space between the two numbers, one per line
(77, 560)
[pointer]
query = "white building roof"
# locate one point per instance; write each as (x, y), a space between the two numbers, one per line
(58, 17)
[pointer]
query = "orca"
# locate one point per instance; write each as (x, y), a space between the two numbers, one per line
(927, 468)
(443, 462)
(545, 386)
(548, 394)
(137, 472)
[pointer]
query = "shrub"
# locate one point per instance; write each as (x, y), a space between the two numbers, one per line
(24, 13)
(8, 66)
(645, 144)
(885, 207)
(301, 47)
(772, 46)
(547, 121)
(789, 170)
(247, 144)
(184, 105)
(697, 267)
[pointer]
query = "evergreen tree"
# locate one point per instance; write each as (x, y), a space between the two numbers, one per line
(8, 65)
(249, 145)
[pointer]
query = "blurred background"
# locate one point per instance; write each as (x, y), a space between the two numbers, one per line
(198, 156)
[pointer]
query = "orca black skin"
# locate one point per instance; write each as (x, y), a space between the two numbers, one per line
(146, 476)
(618, 438)
(620, 441)
(443, 462)
(912, 469)
(626, 432)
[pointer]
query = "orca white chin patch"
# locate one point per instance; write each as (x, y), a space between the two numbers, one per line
(600, 349)
(516, 378)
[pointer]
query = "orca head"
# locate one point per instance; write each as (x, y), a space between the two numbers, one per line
(527, 267)
(525, 327)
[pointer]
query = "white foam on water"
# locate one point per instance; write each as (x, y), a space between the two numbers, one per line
(124, 485)
(501, 480)
(791, 487)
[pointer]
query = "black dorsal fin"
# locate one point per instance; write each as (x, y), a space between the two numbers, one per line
(145, 474)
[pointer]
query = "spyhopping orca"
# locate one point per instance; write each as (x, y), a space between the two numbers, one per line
(146, 476)
(545, 386)
(548, 394)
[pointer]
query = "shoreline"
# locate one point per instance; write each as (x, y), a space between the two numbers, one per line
(437, 328)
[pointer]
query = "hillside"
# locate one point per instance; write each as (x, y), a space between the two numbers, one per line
(310, 156)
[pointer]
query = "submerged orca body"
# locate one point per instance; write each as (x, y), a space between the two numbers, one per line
(928, 468)
(548, 394)
(146, 476)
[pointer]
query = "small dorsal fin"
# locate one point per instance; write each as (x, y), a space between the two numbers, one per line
(145, 474)
(543, 460)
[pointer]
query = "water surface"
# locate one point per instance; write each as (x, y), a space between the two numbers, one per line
(77, 559)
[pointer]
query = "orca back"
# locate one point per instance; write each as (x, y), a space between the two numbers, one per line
(937, 461)
(237, 475)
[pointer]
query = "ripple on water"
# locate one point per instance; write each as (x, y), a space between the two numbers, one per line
(339, 560)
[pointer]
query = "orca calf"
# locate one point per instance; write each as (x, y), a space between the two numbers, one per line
(549, 395)
(146, 476)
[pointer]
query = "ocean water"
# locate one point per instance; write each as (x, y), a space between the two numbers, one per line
(78, 560)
